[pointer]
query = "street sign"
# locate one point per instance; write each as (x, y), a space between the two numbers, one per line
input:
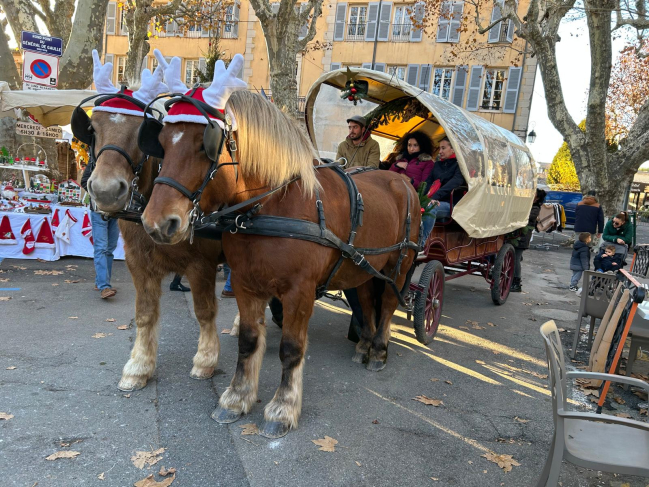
(32, 41)
(37, 130)
(32, 87)
(40, 69)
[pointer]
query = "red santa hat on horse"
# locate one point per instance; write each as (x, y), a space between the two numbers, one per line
(225, 82)
(150, 87)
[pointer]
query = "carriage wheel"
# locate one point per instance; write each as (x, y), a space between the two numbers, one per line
(428, 304)
(503, 274)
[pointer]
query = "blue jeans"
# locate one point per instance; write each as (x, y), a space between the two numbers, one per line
(443, 210)
(576, 277)
(104, 235)
(227, 272)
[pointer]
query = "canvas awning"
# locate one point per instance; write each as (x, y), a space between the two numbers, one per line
(497, 166)
(49, 107)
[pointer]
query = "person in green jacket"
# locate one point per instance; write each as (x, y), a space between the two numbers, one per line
(618, 230)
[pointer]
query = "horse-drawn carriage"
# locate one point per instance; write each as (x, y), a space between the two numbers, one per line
(496, 165)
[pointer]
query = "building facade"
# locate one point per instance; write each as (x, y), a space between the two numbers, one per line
(495, 81)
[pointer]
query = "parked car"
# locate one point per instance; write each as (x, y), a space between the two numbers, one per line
(568, 200)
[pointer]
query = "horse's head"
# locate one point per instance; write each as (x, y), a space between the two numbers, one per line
(197, 178)
(111, 133)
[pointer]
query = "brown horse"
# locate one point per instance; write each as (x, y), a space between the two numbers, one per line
(272, 150)
(148, 262)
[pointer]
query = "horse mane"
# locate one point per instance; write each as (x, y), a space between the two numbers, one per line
(270, 145)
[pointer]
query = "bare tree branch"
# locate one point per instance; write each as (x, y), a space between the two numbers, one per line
(316, 6)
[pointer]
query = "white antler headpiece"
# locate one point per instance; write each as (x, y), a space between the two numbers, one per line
(172, 73)
(152, 84)
(102, 74)
(225, 82)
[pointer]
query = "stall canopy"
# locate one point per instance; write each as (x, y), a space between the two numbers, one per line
(497, 166)
(49, 107)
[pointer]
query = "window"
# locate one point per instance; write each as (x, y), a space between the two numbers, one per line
(442, 82)
(154, 63)
(191, 66)
(356, 24)
(402, 23)
(398, 72)
(492, 90)
(123, 28)
(228, 19)
(504, 31)
(121, 69)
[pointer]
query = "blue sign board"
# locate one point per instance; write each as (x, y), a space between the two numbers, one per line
(31, 41)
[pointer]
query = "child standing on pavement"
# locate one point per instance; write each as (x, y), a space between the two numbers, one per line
(580, 260)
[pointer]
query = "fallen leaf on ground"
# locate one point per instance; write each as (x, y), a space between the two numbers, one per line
(490, 324)
(495, 352)
(5, 298)
(434, 478)
(164, 471)
(63, 454)
(249, 429)
(448, 382)
(434, 380)
(19, 267)
(358, 463)
(65, 444)
(99, 335)
(504, 461)
(73, 317)
(6, 279)
(11, 367)
(536, 374)
(643, 412)
(471, 322)
(68, 281)
(623, 415)
(147, 457)
(225, 330)
(48, 273)
(122, 327)
(101, 476)
(521, 420)
(110, 320)
(6, 416)
(561, 330)
(54, 284)
(470, 462)
(477, 327)
(640, 394)
(126, 395)
(151, 482)
(326, 444)
(463, 327)
(619, 400)
(428, 401)
(590, 392)
(376, 421)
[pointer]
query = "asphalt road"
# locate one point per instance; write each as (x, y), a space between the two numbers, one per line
(63, 391)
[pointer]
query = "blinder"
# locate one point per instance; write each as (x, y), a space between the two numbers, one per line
(81, 126)
(148, 138)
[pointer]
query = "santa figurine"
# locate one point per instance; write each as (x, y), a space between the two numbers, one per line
(9, 192)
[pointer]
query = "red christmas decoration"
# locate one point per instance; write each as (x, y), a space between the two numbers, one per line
(350, 97)
(353, 90)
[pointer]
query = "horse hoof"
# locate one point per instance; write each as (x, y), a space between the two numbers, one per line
(359, 357)
(201, 373)
(375, 365)
(225, 416)
(131, 384)
(274, 429)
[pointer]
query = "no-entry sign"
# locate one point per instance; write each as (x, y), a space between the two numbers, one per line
(41, 69)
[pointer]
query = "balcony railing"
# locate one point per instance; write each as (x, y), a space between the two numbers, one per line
(355, 32)
(400, 32)
(228, 30)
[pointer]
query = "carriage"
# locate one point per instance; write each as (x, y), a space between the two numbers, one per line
(487, 213)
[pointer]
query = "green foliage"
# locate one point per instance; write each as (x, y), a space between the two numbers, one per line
(212, 55)
(562, 170)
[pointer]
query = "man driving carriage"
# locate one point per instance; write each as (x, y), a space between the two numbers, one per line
(359, 148)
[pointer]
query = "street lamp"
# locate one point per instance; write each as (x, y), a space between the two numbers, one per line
(531, 137)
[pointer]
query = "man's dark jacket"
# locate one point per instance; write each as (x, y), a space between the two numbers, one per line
(449, 174)
(589, 216)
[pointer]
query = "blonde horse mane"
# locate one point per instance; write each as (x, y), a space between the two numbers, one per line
(271, 146)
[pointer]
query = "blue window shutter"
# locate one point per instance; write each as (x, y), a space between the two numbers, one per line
(443, 22)
(111, 15)
(416, 33)
(334, 66)
(424, 76)
(460, 84)
(411, 74)
(494, 33)
(235, 21)
(372, 21)
(455, 22)
(366, 65)
(339, 26)
(384, 21)
(513, 85)
(379, 67)
(475, 84)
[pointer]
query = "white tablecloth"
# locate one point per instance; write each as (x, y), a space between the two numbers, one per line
(79, 245)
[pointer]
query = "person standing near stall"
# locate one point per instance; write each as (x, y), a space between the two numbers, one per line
(105, 234)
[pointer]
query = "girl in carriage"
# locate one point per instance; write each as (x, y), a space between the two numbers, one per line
(414, 157)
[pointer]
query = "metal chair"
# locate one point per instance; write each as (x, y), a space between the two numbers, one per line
(640, 263)
(597, 290)
(639, 333)
(589, 440)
